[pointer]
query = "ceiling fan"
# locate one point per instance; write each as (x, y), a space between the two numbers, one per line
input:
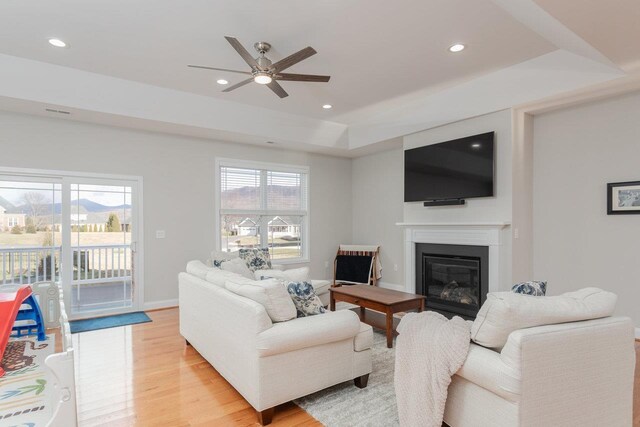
(264, 72)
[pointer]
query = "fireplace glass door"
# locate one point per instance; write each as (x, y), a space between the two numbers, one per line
(452, 280)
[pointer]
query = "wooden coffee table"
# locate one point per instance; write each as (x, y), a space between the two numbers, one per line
(374, 298)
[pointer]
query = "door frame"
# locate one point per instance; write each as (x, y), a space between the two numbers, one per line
(66, 177)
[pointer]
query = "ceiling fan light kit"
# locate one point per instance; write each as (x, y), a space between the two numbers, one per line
(265, 72)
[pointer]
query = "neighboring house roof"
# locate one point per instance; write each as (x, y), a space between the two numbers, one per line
(278, 221)
(247, 222)
(7, 205)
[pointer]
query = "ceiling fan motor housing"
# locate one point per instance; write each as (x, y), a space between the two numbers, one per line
(262, 47)
(263, 63)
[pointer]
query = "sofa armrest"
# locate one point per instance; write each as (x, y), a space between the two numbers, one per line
(578, 371)
(309, 331)
(280, 267)
(484, 367)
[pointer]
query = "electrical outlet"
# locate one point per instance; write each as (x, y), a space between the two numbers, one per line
(395, 267)
(516, 233)
(326, 264)
(160, 234)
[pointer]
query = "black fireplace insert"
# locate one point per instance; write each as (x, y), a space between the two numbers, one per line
(454, 278)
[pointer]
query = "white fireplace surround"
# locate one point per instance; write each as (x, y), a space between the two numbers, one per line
(473, 234)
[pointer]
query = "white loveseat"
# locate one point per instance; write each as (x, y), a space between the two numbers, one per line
(578, 373)
(270, 363)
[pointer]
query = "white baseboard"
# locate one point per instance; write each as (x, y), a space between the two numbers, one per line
(392, 286)
(155, 305)
(638, 333)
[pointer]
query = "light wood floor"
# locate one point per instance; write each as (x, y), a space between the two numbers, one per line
(144, 375)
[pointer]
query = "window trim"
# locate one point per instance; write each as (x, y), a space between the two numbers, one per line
(276, 167)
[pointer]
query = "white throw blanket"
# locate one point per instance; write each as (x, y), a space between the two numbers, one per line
(429, 350)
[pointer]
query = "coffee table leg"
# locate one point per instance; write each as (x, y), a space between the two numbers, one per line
(362, 314)
(389, 328)
(421, 309)
(332, 302)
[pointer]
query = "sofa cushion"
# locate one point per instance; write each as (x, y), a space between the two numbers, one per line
(505, 312)
(364, 339)
(218, 257)
(198, 269)
(293, 275)
(321, 286)
(270, 293)
(305, 299)
(256, 258)
(219, 277)
(534, 287)
(237, 266)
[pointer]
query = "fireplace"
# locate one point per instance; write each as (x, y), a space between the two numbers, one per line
(454, 278)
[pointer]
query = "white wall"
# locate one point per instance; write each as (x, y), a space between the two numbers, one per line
(489, 209)
(577, 151)
(178, 175)
(377, 207)
(378, 194)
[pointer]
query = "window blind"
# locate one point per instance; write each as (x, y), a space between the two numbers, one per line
(240, 188)
(264, 190)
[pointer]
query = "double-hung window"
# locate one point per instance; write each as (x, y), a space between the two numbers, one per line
(263, 205)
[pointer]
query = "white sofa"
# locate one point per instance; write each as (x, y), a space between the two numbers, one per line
(271, 363)
(578, 373)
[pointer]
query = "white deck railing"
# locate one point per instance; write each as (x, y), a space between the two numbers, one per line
(91, 264)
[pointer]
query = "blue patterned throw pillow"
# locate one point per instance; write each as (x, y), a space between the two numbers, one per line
(534, 287)
(305, 299)
(256, 259)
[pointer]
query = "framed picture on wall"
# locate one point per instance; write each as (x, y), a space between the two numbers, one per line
(623, 198)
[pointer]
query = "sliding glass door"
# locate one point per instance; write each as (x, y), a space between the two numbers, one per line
(79, 231)
(102, 255)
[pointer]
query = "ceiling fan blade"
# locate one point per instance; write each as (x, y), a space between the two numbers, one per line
(277, 89)
(293, 59)
(302, 77)
(242, 51)
(219, 69)
(237, 85)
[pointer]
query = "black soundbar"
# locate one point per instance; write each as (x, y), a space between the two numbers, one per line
(450, 202)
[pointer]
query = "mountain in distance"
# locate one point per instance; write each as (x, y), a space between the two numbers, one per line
(86, 205)
(92, 206)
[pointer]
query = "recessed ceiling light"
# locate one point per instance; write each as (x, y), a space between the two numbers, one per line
(222, 82)
(476, 145)
(456, 48)
(327, 106)
(57, 43)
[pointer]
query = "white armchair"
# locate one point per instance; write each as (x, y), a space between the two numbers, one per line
(570, 374)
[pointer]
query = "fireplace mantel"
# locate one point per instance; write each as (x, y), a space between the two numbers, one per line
(498, 225)
(490, 234)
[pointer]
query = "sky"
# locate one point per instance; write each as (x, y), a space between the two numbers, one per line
(105, 195)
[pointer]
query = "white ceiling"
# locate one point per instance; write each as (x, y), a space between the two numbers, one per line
(391, 71)
(612, 26)
(373, 49)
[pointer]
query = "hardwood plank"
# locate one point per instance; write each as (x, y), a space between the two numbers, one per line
(145, 375)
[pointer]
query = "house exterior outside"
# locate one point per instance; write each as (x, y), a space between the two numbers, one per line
(9, 220)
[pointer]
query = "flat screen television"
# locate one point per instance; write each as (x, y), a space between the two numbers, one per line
(452, 170)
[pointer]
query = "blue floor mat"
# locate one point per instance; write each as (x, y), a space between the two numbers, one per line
(108, 322)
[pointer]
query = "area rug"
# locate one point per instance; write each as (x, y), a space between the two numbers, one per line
(22, 388)
(346, 405)
(108, 322)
